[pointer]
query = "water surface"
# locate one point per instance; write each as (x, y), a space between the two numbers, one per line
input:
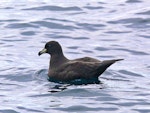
(99, 29)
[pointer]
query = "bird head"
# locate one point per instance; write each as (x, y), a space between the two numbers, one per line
(51, 48)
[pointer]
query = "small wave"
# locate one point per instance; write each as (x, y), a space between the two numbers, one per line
(59, 20)
(144, 13)
(21, 25)
(101, 49)
(18, 74)
(54, 25)
(134, 52)
(28, 33)
(145, 36)
(41, 75)
(118, 32)
(93, 8)
(130, 73)
(133, 22)
(79, 108)
(8, 111)
(90, 27)
(55, 8)
(10, 20)
(29, 110)
(133, 1)
(56, 36)
(113, 79)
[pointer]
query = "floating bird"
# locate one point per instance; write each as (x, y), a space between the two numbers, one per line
(64, 70)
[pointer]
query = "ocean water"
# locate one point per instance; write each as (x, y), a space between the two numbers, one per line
(96, 28)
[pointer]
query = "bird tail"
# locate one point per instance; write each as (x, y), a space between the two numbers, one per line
(105, 64)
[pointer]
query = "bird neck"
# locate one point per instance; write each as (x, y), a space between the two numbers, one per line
(57, 60)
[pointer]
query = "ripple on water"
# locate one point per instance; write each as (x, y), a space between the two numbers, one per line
(133, 22)
(13, 40)
(92, 91)
(57, 36)
(102, 49)
(29, 110)
(54, 25)
(106, 98)
(93, 8)
(55, 8)
(28, 33)
(90, 27)
(41, 74)
(144, 13)
(117, 32)
(80, 108)
(8, 111)
(21, 25)
(146, 110)
(130, 73)
(10, 20)
(133, 1)
(17, 74)
(73, 47)
(7, 8)
(134, 52)
(145, 36)
(87, 51)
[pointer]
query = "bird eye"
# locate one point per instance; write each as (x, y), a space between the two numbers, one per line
(47, 45)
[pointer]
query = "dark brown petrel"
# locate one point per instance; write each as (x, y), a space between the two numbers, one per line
(65, 70)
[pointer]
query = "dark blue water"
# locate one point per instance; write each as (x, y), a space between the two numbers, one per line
(99, 29)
